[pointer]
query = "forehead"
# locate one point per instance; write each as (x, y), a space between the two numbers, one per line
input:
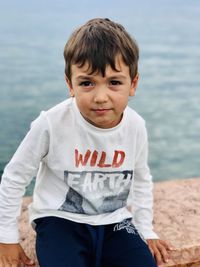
(121, 68)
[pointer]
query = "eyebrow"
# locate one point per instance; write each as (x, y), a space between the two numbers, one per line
(83, 77)
(120, 76)
(114, 77)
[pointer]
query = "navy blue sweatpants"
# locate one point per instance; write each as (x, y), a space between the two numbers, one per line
(63, 243)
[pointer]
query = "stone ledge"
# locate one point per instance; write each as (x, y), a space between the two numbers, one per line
(176, 219)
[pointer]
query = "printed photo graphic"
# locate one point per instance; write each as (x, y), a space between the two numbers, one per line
(104, 191)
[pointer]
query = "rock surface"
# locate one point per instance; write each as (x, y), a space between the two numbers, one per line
(176, 219)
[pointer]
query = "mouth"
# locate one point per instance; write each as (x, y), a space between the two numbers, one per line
(101, 111)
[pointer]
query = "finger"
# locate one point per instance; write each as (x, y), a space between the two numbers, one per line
(157, 256)
(152, 251)
(5, 262)
(15, 263)
(164, 253)
(167, 244)
(150, 248)
(26, 260)
(1, 263)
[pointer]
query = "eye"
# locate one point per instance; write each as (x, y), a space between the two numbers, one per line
(86, 83)
(115, 82)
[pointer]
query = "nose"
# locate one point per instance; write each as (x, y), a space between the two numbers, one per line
(101, 95)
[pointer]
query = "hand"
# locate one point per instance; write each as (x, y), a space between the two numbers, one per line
(12, 255)
(160, 250)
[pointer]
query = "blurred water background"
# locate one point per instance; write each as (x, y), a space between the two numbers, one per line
(32, 38)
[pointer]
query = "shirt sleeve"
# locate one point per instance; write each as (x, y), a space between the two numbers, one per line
(18, 174)
(143, 193)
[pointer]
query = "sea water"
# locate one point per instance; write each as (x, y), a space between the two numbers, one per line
(168, 95)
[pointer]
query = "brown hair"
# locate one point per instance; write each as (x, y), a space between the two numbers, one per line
(98, 42)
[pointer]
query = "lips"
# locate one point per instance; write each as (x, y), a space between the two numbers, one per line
(101, 111)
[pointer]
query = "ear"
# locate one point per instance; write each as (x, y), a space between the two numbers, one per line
(69, 84)
(134, 84)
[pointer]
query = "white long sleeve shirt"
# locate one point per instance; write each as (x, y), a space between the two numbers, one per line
(83, 173)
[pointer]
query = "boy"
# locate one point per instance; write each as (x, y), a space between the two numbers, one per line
(92, 203)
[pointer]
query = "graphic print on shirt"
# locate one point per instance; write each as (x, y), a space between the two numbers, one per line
(95, 192)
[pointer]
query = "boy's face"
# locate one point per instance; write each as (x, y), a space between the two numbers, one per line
(102, 100)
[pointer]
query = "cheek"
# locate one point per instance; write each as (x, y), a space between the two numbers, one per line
(121, 102)
(82, 103)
